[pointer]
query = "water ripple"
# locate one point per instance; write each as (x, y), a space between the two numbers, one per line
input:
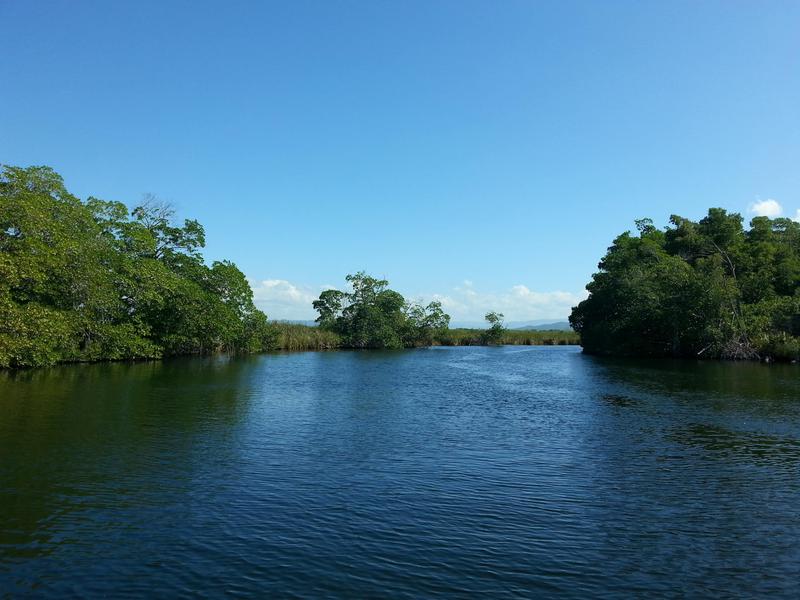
(456, 472)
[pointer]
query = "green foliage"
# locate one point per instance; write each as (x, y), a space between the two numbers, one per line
(293, 336)
(476, 337)
(374, 316)
(708, 289)
(84, 281)
(495, 332)
(426, 324)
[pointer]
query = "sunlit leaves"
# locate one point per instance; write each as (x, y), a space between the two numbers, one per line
(89, 281)
(373, 316)
(706, 289)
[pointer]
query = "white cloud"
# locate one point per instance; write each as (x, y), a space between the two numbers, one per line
(796, 216)
(282, 299)
(766, 208)
(518, 303)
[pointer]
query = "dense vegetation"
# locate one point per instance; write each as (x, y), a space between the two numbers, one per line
(374, 316)
(293, 336)
(697, 289)
(495, 332)
(88, 280)
(296, 336)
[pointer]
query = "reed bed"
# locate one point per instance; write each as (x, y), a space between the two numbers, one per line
(297, 337)
(294, 336)
(474, 337)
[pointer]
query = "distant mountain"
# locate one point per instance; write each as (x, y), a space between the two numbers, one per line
(556, 326)
(537, 325)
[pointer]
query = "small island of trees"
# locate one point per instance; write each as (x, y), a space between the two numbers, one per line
(374, 316)
(708, 289)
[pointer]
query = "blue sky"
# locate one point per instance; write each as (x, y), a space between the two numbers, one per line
(482, 152)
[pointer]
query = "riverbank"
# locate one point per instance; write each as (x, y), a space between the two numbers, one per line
(294, 337)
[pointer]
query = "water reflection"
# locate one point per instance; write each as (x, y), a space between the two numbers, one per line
(621, 400)
(90, 445)
(692, 464)
(729, 445)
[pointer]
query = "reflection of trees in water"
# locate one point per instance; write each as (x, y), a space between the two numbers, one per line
(778, 452)
(621, 400)
(359, 404)
(701, 405)
(102, 438)
(723, 383)
(685, 459)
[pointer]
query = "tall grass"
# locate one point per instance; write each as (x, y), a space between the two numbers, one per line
(295, 337)
(474, 337)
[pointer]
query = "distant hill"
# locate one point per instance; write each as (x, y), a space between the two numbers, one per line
(537, 325)
(557, 326)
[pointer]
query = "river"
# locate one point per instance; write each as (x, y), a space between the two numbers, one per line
(498, 471)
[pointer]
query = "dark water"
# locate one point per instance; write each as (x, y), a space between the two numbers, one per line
(506, 472)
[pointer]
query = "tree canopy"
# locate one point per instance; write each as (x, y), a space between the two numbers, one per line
(373, 316)
(89, 280)
(496, 329)
(709, 289)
